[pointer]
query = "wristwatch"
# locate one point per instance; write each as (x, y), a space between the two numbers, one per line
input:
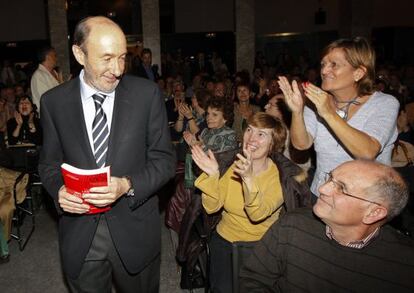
(131, 191)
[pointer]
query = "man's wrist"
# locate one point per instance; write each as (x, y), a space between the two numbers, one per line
(129, 187)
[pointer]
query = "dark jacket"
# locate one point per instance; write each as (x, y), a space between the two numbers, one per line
(139, 147)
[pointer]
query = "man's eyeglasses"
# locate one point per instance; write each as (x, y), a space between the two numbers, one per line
(340, 188)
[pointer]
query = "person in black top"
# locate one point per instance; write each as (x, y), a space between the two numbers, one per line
(24, 127)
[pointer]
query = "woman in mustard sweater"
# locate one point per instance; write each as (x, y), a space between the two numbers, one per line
(249, 194)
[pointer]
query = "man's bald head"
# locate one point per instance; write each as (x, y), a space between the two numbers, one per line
(382, 181)
(84, 27)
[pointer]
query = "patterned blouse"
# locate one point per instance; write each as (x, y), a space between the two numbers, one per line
(219, 140)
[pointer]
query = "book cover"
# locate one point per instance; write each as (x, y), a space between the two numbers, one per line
(79, 181)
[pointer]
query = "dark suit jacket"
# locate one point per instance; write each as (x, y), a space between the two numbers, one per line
(141, 72)
(139, 147)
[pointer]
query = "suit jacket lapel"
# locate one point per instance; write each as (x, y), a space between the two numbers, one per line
(120, 118)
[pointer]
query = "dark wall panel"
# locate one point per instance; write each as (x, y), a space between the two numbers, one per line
(22, 20)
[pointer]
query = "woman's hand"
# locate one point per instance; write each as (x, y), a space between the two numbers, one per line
(244, 166)
(321, 99)
(402, 122)
(185, 110)
(293, 96)
(206, 162)
(31, 118)
(178, 100)
(18, 118)
(190, 138)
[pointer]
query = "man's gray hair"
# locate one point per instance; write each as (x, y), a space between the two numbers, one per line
(392, 190)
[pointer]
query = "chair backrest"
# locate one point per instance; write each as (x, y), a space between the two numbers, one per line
(31, 160)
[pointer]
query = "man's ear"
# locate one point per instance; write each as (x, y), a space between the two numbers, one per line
(79, 54)
(375, 214)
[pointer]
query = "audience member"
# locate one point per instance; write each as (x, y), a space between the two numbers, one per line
(217, 136)
(19, 90)
(8, 77)
(220, 90)
(24, 127)
(350, 119)
(45, 77)
(345, 245)
(243, 110)
(10, 96)
(195, 85)
(249, 194)
(177, 98)
(191, 118)
(146, 69)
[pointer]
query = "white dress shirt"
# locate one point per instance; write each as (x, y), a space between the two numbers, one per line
(42, 81)
(88, 106)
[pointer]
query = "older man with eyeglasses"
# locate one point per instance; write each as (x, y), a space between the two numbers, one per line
(343, 245)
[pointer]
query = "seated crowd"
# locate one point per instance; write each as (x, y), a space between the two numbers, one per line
(292, 165)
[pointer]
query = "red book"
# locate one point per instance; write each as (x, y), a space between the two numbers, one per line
(79, 181)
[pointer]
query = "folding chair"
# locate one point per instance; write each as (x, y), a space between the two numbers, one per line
(24, 206)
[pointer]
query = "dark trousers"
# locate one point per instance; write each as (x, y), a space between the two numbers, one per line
(103, 264)
(221, 271)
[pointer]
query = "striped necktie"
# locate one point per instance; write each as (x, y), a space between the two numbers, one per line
(100, 131)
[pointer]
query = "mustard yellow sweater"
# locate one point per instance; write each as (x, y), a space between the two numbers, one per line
(247, 214)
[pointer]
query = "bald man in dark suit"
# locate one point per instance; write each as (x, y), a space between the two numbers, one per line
(122, 244)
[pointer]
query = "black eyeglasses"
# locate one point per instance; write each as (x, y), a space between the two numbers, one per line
(340, 188)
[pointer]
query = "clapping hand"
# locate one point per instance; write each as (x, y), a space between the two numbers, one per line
(185, 110)
(293, 96)
(178, 100)
(320, 99)
(243, 166)
(18, 118)
(206, 162)
(190, 139)
(31, 118)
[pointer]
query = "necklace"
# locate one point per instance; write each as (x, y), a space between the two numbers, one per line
(343, 111)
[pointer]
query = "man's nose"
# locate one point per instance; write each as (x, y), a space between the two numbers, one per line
(117, 68)
(326, 187)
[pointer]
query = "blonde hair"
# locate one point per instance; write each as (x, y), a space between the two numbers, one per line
(359, 53)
